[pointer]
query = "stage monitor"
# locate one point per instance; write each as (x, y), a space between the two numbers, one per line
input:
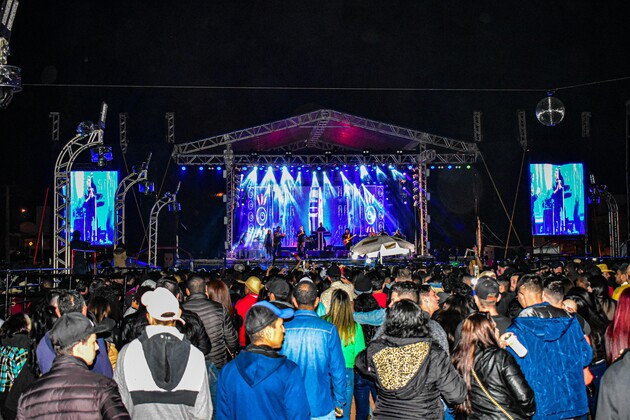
(557, 199)
(92, 198)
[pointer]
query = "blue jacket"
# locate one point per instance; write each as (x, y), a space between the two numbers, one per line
(314, 345)
(46, 356)
(553, 366)
(261, 384)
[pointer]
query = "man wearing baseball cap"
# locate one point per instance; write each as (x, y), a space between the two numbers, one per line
(486, 297)
(160, 374)
(260, 382)
(70, 389)
(252, 288)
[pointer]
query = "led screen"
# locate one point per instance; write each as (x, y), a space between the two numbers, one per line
(557, 199)
(92, 205)
(353, 198)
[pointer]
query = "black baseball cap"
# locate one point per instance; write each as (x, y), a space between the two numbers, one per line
(263, 314)
(278, 287)
(487, 288)
(333, 271)
(74, 327)
(362, 284)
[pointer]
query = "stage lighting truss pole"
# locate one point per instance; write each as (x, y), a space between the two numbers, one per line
(125, 185)
(613, 223)
(63, 167)
(228, 199)
(167, 199)
(422, 241)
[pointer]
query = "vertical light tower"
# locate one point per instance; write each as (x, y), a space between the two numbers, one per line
(10, 76)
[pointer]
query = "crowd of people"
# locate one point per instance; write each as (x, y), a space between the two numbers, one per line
(326, 341)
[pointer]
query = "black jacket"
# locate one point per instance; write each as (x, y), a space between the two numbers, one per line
(502, 377)
(411, 374)
(70, 390)
(193, 330)
(218, 324)
(613, 402)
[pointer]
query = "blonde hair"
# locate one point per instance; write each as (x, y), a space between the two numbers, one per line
(341, 316)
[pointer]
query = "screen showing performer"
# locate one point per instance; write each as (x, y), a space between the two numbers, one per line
(92, 210)
(557, 199)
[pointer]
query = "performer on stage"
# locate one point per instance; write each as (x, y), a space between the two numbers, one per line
(277, 239)
(301, 241)
(91, 231)
(347, 239)
(268, 244)
(558, 203)
(398, 235)
(321, 241)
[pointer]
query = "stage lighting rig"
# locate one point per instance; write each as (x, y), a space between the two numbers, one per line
(102, 155)
(10, 76)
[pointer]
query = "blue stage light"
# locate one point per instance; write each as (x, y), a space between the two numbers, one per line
(410, 167)
(218, 168)
(201, 168)
(319, 168)
(449, 167)
(336, 168)
(432, 166)
(244, 168)
(299, 168)
(183, 168)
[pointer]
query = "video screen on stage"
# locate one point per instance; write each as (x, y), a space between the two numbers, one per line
(92, 198)
(557, 199)
(361, 199)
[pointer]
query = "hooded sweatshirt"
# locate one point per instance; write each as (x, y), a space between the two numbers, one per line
(161, 375)
(553, 366)
(261, 384)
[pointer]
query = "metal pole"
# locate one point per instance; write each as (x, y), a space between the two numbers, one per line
(627, 188)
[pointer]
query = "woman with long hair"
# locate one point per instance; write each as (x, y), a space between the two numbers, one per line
(605, 304)
(618, 332)
(341, 316)
(411, 371)
(219, 292)
(18, 363)
(452, 312)
(497, 389)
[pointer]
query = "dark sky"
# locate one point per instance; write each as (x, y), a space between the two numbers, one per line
(522, 47)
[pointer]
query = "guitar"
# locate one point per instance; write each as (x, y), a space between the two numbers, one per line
(345, 241)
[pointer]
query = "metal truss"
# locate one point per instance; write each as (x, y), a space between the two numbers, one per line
(122, 126)
(169, 118)
(135, 177)
(54, 117)
(522, 128)
(422, 248)
(322, 118)
(229, 199)
(332, 159)
(63, 167)
(477, 133)
(586, 124)
(167, 199)
(613, 223)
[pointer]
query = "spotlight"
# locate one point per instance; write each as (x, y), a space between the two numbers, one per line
(201, 168)
(102, 155)
(85, 128)
(449, 167)
(432, 166)
(183, 168)
(174, 207)
(467, 166)
(146, 187)
(319, 168)
(218, 168)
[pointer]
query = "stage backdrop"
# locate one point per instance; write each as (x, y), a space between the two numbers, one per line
(92, 205)
(356, 198)
(557, 199)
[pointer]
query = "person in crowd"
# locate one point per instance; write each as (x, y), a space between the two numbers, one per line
(453, 311)
(216, 321)
(161, 374)
(192, 327)
(622, 280)
(99, 309)
(408, 290)
(429, 300)
(411, 371)
(260, 382)
(219, 292)
(613, 402)
(557, 353)
(605, 304)
(586, 308)
(253, 285)
(365, 386)
(71, 302)
(487, 295)
(337, 282)
(618, 332)
(17, 362)
(378, 286)
(506, 295)
(314, 345)
(352, 340)
(496, 386)
(70, 389)
(279, 291)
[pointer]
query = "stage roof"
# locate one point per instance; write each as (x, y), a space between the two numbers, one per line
(323, 131)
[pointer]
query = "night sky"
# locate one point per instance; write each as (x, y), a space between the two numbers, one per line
(441, 61)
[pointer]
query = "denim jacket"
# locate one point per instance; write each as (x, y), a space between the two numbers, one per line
(314, 345)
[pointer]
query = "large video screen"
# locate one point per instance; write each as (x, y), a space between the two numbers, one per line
(557, 199)
(92, 205)
(359, 199)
